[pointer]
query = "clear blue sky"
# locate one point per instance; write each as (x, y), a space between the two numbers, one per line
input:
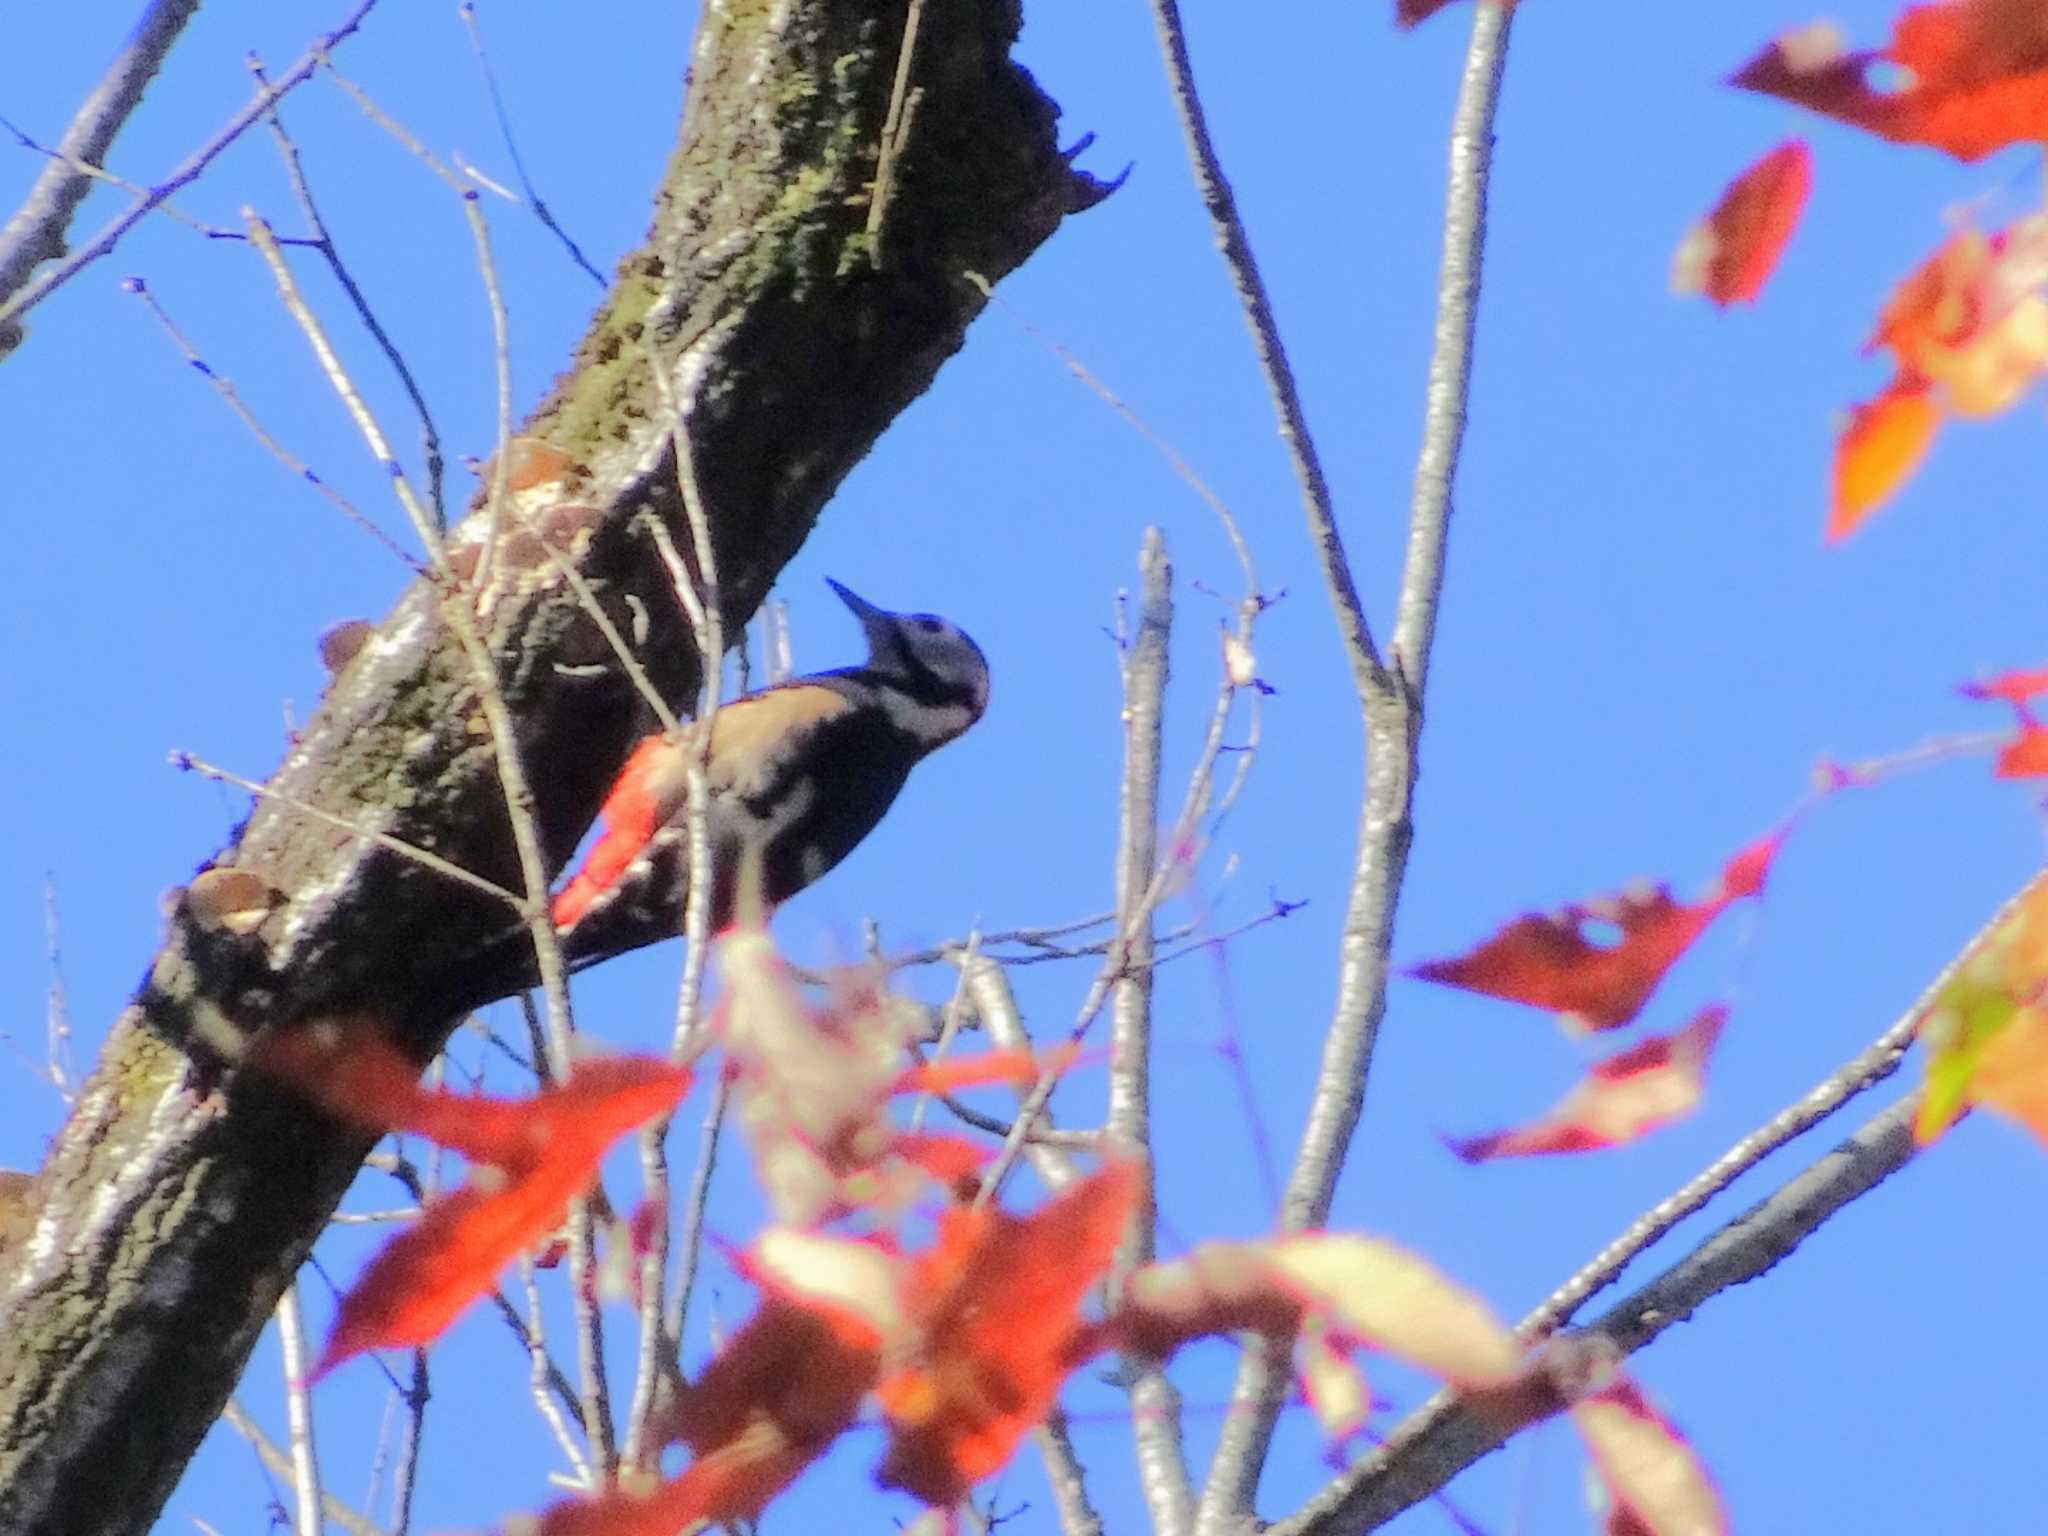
(1644, 647)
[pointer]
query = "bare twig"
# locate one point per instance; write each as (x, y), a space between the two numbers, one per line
(895, 128)
(35, 232)
(273, 1456)
(988, 986)
(1155, 1404)
(27, 297)
(494, 297)
(291, 1337)
(949, 1025)
(542, 1376)
(699, 600)
(323, 242)
(467, 11)
(1391, 698)
(426, 858)
(677, 1312)
(57, 1063)
(521, 813)
(1078, 1516)
(225, 388)
(1251, 291)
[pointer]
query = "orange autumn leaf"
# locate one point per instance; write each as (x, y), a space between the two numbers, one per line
(1017, 1068)
(735, 1482)
(534, 1157)
(1730, 254)
(994, 1310)
(1969, 329)
(1975, 73)
(2025, 756)
(1878, 451)
(1636, 1091)
(946, 1160)
(1655, 1482)
(1556, 961)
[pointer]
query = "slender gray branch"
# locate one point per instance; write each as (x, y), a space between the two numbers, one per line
(35, 232)
(1155, 1403)
(1236, 246)
(1391, 698)
(274, 1457)
(1440, 1439)
(31, 292)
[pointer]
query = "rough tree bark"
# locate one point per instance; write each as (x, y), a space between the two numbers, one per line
(177, 1201)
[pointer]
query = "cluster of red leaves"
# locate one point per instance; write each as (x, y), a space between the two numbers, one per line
(1969, 330)
(1975, 76)
(530, 1158)
(2026, 755)
(1557, 962)
(1987, 1031)
(963, 1344)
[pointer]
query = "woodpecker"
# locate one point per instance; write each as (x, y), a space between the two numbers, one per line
(798, 773)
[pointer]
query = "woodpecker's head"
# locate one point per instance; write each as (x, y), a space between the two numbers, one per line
(937, 676)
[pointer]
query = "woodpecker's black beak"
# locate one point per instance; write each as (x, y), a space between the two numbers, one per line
(878, 623)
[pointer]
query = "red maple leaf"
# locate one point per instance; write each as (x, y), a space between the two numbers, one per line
(1652, 1083)
(994, 1307)
(533, 1157)
(1730, 254)
(1557, 961)
(1976, 76)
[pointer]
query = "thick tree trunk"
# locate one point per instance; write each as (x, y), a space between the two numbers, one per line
(177, 1202)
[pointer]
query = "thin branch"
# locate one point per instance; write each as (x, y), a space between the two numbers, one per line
(949, 1027)
(1155, 1404)
(57, 1063)
(1235, 244)
(677, 1313)
(1392, 702)
(521, 813)
(1078, 1516)
(183, 176)
(1436, 1434)
(273, 1456)
(232, 397)
(323, 242)
(700, 601)
(988, 985)
(467, 11)
(1439, 1440)
(494, 297)
(895, 128)
(35, 233)
(291, 1337)
(426, 858)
